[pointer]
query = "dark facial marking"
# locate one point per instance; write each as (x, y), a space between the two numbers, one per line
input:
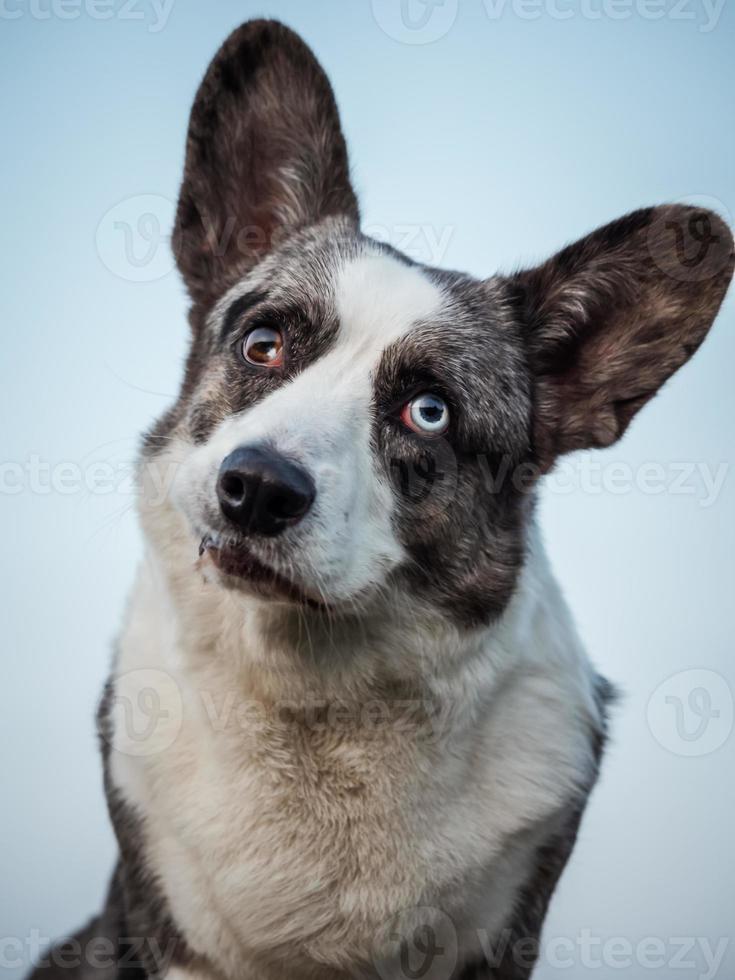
(236, 313)
(307, 335)
(461, 515)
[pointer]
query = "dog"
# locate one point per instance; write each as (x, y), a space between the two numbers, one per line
(374, 729)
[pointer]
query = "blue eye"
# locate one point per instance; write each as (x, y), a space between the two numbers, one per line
(426, 414)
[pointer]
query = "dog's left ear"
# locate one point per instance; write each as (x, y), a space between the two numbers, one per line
(265, 156)
(611, 317)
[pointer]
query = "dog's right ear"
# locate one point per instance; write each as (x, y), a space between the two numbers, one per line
(265, 156)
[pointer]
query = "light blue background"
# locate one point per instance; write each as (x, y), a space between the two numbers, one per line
(509, 135)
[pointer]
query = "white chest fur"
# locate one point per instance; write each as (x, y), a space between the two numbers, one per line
(295, 829)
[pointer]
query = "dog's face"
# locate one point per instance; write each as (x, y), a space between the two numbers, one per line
(341, 423)
(352, 423)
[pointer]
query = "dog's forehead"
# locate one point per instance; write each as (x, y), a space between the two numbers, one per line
(379, 299)
(357, 295)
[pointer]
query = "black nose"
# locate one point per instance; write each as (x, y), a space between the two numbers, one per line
(262, 492)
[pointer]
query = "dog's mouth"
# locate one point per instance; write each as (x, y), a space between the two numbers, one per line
(238, 562)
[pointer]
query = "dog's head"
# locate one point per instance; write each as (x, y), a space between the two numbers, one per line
(351, 422)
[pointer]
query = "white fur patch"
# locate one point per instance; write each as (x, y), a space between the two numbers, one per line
(276, 843)
(379, 299)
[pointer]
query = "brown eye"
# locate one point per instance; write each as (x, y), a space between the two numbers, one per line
(264, 346)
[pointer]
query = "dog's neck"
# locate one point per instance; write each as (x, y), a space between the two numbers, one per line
(493, 728)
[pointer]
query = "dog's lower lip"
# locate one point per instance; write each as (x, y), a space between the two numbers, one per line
(241, 563)
(206, 544)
